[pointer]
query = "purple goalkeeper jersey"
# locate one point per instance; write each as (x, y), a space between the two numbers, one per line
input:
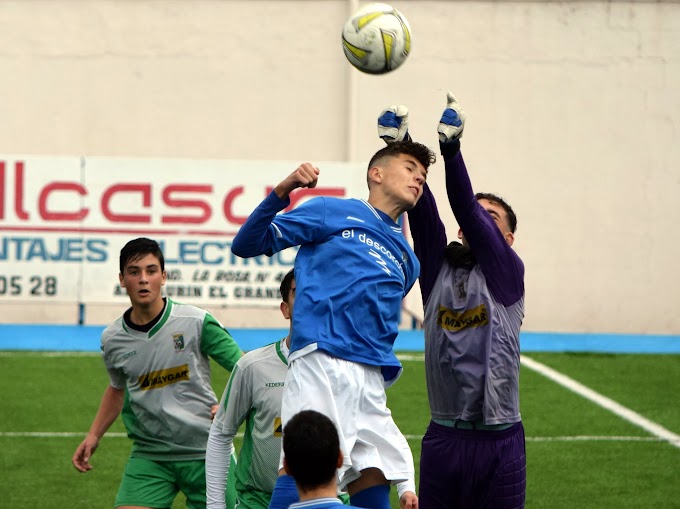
(473, 311)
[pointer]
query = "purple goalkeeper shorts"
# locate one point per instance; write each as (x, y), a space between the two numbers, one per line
(472, 469)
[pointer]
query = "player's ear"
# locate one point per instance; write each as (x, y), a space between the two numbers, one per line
(510, 238)
(121, 280)
(340, 458)
(460, 234)
(285, 467)
(285, 310)
(375, 174)
(165, 277)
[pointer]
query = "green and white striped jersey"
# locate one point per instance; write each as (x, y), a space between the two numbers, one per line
(253, 394)
(166, 376)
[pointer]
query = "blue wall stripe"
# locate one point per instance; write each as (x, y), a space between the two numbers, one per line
(85, 338)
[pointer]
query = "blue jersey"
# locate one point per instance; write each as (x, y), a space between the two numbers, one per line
(352, 271)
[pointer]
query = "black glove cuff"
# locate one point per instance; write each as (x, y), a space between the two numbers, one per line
(449, 149)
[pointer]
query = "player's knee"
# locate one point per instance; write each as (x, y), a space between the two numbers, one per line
(369, 477)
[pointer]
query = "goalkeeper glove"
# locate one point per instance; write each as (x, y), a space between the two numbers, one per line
(451, 125)
(393, 124)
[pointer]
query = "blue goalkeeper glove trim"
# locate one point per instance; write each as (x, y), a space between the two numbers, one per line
(450, 117)
(389, 119)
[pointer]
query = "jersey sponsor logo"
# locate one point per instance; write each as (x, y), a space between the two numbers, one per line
(129, 354)
(379, 261)
(460, 288)
(163, 377)
(179, 341)
(455, 321)
(274, 384)
(278, 427)
(376, 250)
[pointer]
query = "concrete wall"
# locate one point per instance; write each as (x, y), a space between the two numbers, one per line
(573, 116)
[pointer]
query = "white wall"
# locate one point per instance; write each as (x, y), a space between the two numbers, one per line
(573, 116)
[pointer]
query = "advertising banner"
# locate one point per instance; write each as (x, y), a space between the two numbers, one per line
(64, 220)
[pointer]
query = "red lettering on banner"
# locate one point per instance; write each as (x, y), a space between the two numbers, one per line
(61, 216)
(2, 189)
(19, 191)
(129, 202)
(144, 189)
(227, 206)
(179, 203)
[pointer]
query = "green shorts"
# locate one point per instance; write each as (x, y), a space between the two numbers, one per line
(152, 483)
(253, 499)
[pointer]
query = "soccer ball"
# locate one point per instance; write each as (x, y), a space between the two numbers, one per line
(376, 39)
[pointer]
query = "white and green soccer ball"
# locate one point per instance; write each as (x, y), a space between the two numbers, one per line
(376, 39)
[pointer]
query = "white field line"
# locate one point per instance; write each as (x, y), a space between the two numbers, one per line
(68, 434)
(661, 433)
(410, 357)
(603, 401)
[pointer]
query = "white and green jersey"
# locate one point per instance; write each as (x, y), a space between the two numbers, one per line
(253, 394)
(166, 376)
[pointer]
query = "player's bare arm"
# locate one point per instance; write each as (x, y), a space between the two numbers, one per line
(109, 410)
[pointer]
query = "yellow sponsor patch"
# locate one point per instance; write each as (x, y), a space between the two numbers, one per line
(278, 428)
(453, 320)
(163, 377)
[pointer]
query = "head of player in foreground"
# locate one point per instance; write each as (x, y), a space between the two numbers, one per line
(312, 454)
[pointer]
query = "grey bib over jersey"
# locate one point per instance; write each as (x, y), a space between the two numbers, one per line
(474, 306)
(472, 349)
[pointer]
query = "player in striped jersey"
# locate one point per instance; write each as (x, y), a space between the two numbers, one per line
(253, 394)
(473, 452)
(157, 356)
(353, 269)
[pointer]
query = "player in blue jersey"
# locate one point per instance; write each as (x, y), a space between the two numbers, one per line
(312, 457)
(353, 269)
(473, 452)
(158, 359)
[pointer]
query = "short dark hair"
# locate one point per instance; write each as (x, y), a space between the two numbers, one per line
(423, 155)
(512, 218)
(311, 447)
(137, 249)
(286, 285)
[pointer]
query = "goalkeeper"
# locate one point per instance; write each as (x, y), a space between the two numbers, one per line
(473, 452)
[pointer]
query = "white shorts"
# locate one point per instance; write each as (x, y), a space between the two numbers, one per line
(353, 396)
